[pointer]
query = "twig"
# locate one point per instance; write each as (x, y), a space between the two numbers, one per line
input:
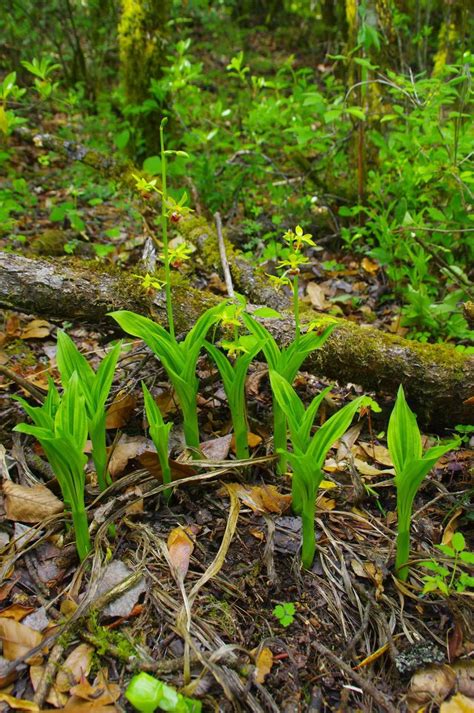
(47, 677)
(222, 252)
(36, 393)
(379, 698)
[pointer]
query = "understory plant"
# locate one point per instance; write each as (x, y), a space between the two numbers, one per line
(60, 425)
(411, 466)
(287, 361)
(233, 376)
(448, 576)
(309, 451)
(178, 358)
(160, 433)
(96, 387)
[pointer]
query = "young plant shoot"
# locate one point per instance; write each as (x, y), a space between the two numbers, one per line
(96, 387)
(411, 466)
(159, 432)
(178, 358)
(309, 452)
(233, 378)
(60, 425)
(287, 361)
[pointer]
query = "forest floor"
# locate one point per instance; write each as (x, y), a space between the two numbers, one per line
(191, 586)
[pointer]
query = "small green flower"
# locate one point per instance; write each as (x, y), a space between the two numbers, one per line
(149, 282)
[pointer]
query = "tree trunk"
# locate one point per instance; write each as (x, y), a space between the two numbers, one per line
(437, 379)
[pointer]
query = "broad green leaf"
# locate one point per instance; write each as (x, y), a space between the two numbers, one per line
(403, 436)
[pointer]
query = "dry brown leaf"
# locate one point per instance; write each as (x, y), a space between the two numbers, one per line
(464, 669)
(431, 684)
(17, 612)
(260, 498)
(327, 504)
(18, 639)
(119, 412)
(30, 504)
(75, 667)
(180, 548)
(451, 527)
(376, 451)
(264, 664)
(317, 295)
(36, 329)
(370, 471)
(18, 703)
(102, 692)
(78, 705)
(217, 448)
(128, 448)
(369, 266)
(458, 704)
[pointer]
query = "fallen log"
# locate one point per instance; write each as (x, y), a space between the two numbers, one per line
(437, 379)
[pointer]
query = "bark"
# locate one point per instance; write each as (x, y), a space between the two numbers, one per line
(438, 380)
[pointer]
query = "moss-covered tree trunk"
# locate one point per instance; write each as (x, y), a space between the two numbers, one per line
(142, 37)
(437, 379)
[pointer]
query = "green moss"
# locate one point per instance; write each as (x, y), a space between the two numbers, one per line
(19, 348)
(220, 613)
(108, 641)
(50, 242)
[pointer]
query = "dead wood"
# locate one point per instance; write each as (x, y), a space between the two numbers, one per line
(437, 379)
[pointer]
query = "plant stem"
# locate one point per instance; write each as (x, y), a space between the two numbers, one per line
(403, 554)
(279, 435)
(241, 433)
(309, 538)
(296, 307)
(99, 454)
(81, 531)
(164, 227)
(191, 431)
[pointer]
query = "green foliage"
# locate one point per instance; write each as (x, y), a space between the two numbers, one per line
(146, 693)
(309, 452)
(233, 378)
(178, 358)
(60, 425)
(411, 466)
(448, 576)
(285, 613)
(286, 363)
(159, 432)
(96, 387)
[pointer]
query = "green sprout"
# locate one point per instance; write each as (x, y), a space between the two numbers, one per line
(96, 387)
(309, 452)
(60, 425)
(233, 378)
(285, 362)
(146, 693)
(285, 613)
(178, 358)
(411, 466)
(449, 576)
(159, 432)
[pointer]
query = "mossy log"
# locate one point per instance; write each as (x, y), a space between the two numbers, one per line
(437, 379)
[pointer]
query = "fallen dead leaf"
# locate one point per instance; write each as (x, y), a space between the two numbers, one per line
(317, 295)
(458, 704)
(431, 684)
(464, 669)
(36, 329)
(180, 548)
(18, 703)
(371, 471)
(217, 449)
(369, 266)
(260, 498)
(102, 692)
(75, 667)
(18, 639)
(451, 527)
(30, 504)
(376, 451)
(128, 448)
(17, 612)
(264, 665)
(115, 573)
(119, 412)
